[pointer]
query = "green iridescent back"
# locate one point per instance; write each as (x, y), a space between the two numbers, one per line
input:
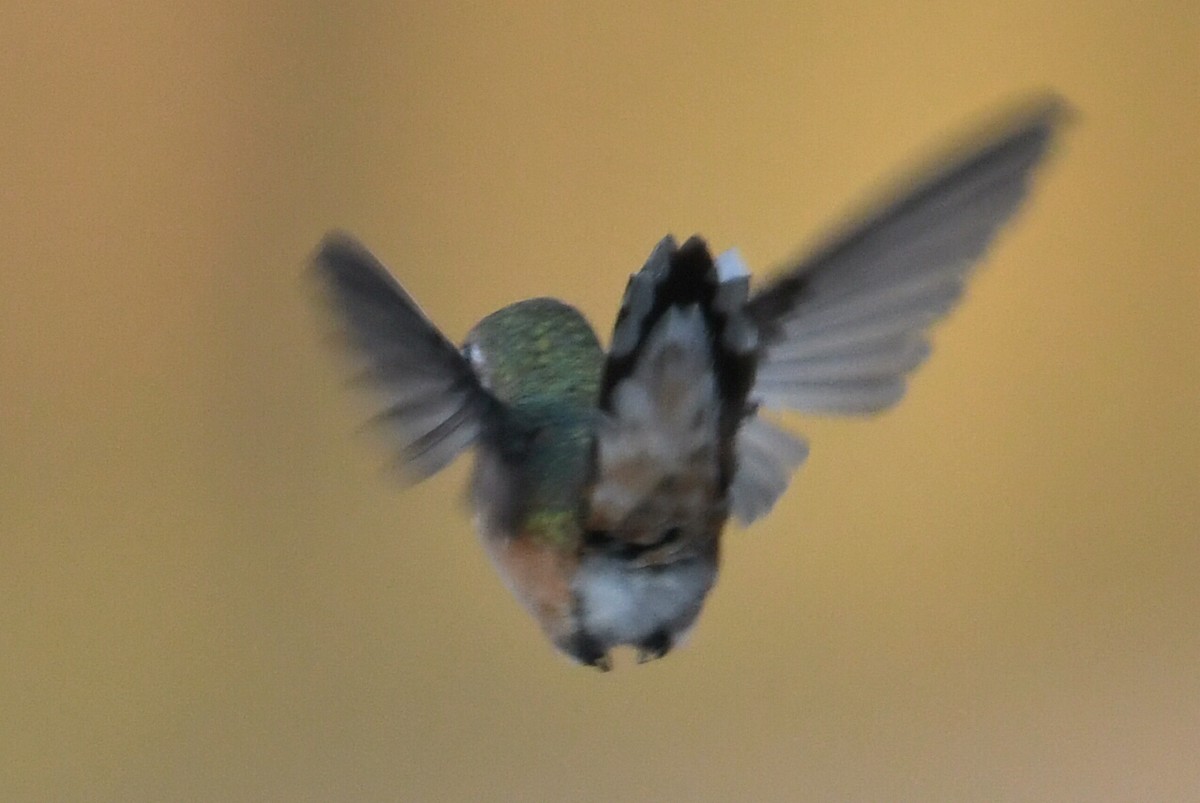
(542, 359)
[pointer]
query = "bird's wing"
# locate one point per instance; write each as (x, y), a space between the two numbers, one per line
(434, 405)
(842, 327)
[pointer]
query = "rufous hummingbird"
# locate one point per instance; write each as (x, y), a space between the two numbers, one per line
(603, 479)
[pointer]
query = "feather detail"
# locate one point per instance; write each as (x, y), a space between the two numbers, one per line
(673, 395)
(433, 405)
(661, 429)
(767, 457)
(843, 327)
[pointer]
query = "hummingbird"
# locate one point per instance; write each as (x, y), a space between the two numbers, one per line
(604, 478)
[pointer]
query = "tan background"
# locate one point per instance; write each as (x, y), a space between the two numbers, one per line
(209, 591)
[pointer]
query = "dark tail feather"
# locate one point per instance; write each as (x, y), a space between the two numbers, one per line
(674, 390)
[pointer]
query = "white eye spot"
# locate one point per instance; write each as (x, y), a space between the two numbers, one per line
(474, 355)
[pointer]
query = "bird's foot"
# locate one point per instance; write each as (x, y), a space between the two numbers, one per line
(655, 647)
(588, 651)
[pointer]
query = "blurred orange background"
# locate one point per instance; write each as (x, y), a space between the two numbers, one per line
(210, 591)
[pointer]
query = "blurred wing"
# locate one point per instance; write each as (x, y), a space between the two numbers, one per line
(435, 406)
(767, 456)
(844, 326)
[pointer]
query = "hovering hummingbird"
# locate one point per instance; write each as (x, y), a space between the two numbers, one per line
(603, 480)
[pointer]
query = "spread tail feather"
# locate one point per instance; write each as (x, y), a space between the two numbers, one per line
(673, 396)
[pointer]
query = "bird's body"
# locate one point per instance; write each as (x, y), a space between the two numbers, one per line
(602, 491)
(603, 480)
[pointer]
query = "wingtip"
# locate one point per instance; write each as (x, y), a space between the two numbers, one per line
(343, 264)
(1045, 111)
(1052, 106)
(337, 248)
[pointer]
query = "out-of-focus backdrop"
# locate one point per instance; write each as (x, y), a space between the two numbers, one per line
(209, 590)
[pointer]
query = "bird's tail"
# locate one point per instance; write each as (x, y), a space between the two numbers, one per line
(673, 394)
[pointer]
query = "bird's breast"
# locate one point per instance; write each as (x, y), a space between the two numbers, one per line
(539, 573)
(621, 602)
